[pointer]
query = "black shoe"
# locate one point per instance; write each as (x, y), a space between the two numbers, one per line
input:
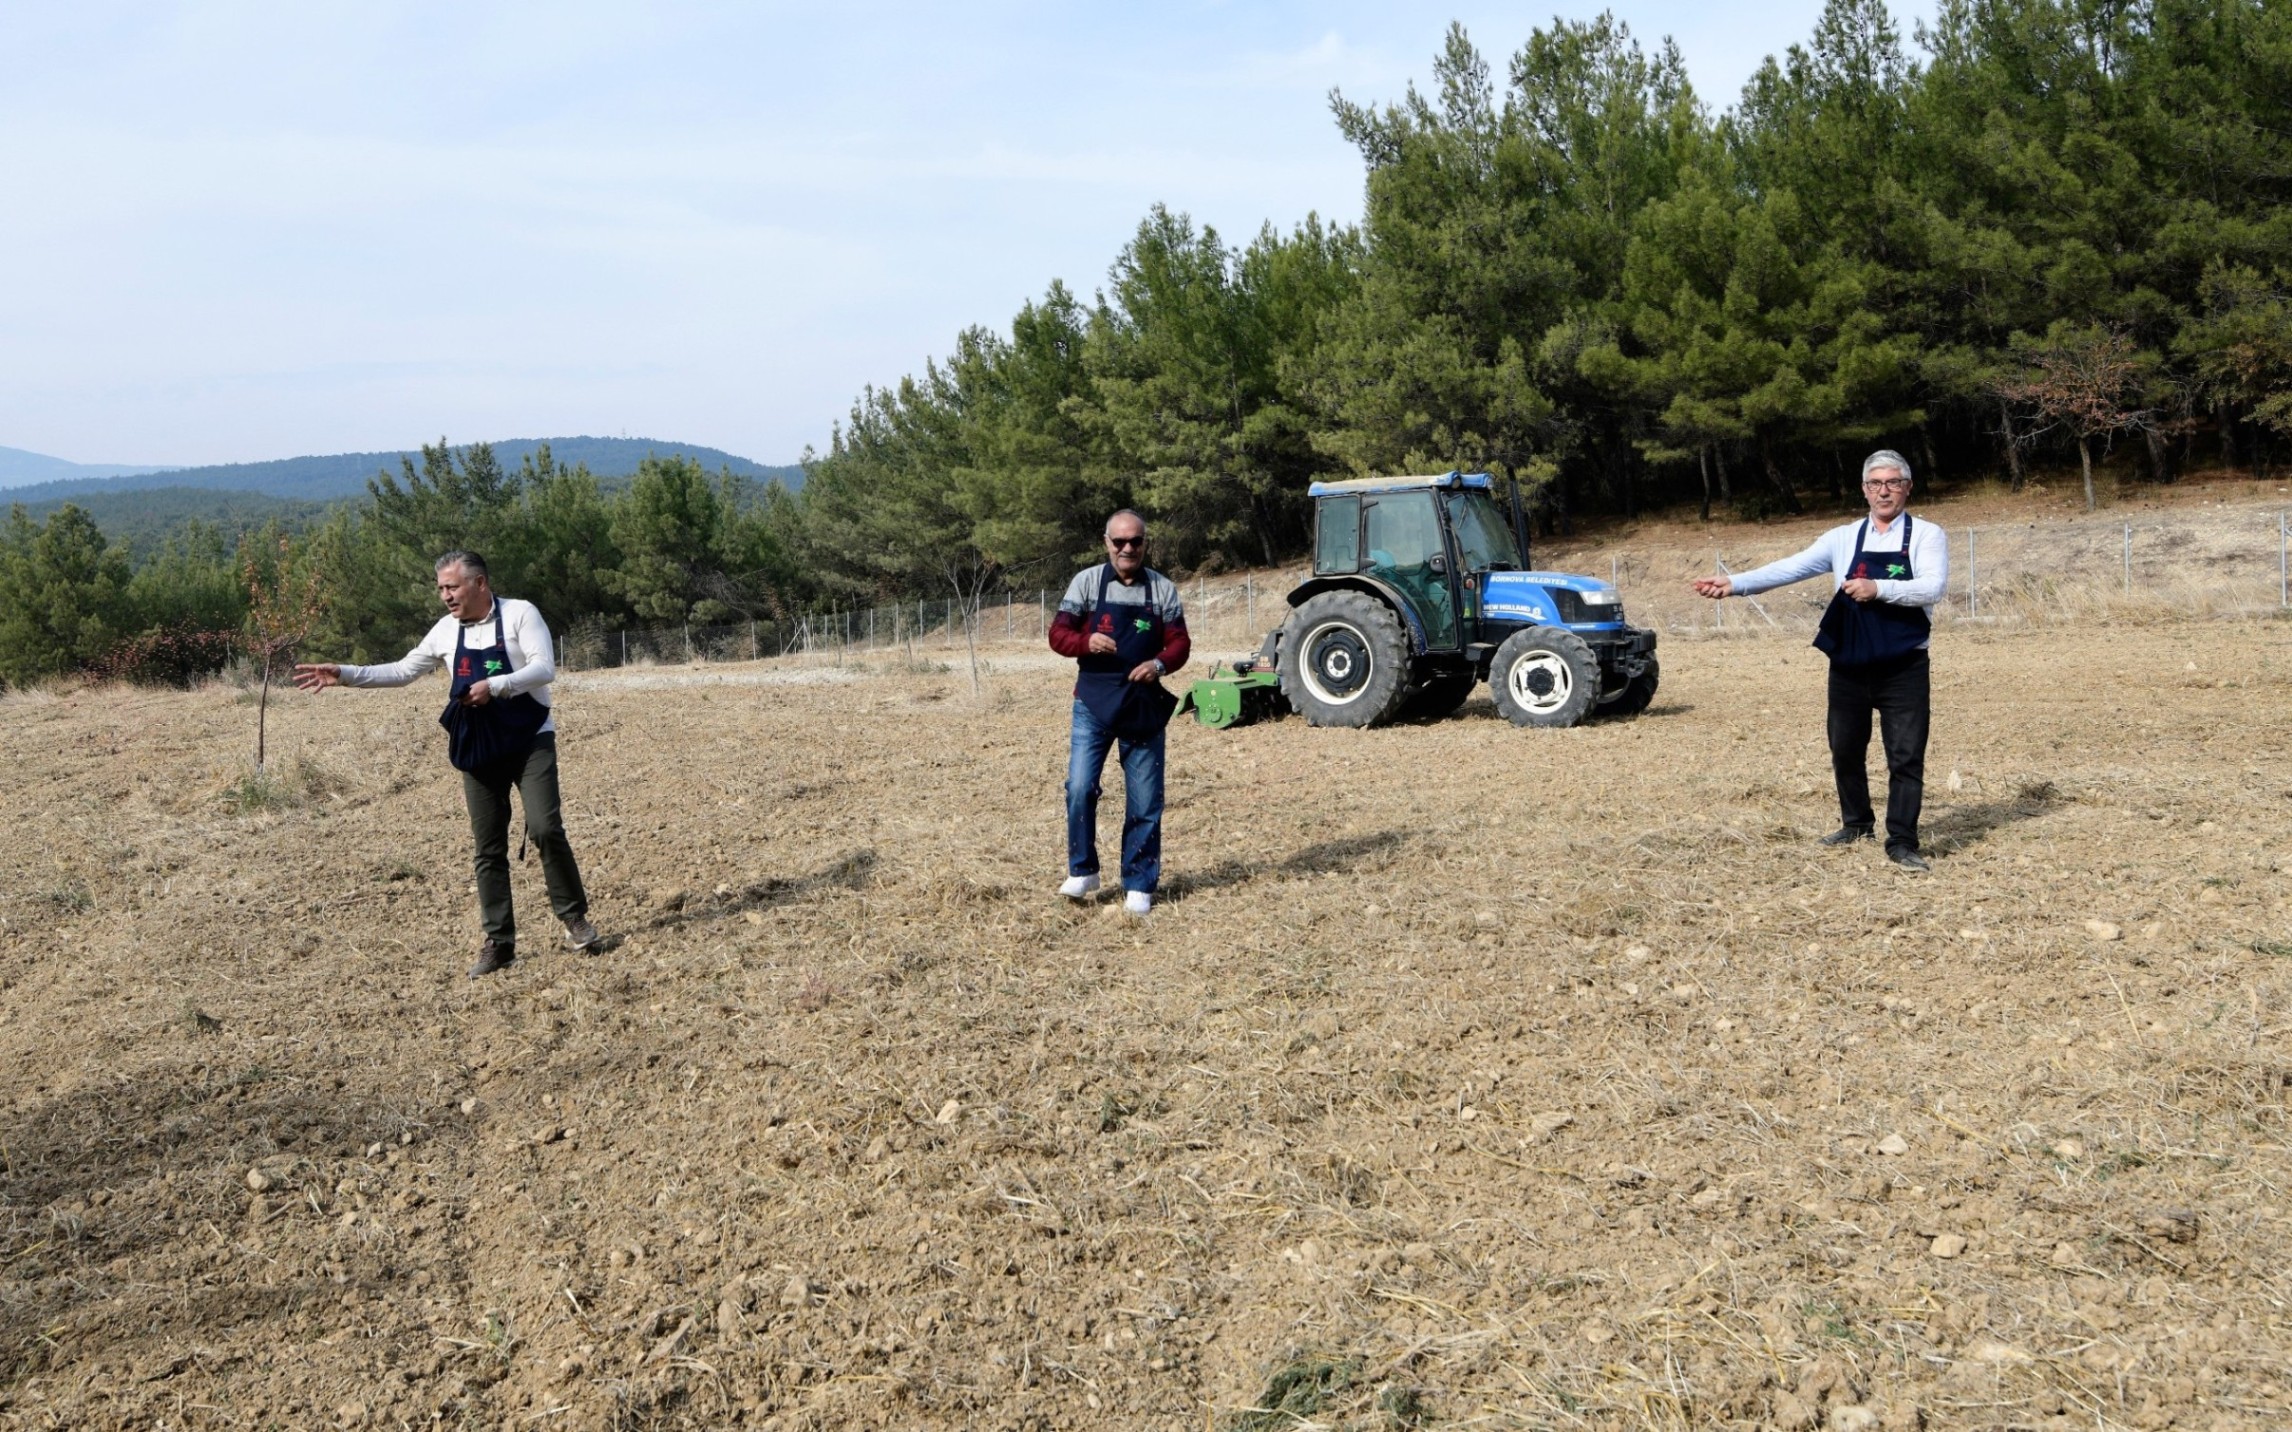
(1908, 859)
(1844, 835)
(492, 957)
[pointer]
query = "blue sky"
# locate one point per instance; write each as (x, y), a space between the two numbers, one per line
(237, 231)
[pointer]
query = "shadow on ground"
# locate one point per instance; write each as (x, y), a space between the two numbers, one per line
(1962, 825)
(1319, 859)
(853, 871)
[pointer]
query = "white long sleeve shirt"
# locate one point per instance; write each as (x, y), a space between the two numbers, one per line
(1833, 552)
(532, 654)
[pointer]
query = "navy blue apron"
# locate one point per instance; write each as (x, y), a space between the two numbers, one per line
(1132, 710)
(1868, 633)
(506, 726)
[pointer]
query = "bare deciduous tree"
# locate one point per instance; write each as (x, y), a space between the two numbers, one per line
(283, 604)
(2087, 378)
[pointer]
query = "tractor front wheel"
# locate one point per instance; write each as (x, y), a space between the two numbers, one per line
(1543, 676)
(1638, 693)
(1345, 660)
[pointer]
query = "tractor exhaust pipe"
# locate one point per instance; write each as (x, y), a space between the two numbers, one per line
(1520, 524)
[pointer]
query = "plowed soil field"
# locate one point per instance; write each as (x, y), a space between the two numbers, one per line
(1465, 1075)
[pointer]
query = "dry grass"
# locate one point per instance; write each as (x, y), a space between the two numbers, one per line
(1466, 1077)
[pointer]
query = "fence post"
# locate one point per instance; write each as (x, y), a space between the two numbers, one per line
(624, 646)
(1042, 611)
(2283, 571)
(1973, 575)
(1249, 605)
(2128, 559)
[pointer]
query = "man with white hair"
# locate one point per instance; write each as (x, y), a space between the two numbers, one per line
(1887, 574)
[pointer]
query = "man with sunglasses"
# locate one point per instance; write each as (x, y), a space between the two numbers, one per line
(1888, 572)
(1126, 630)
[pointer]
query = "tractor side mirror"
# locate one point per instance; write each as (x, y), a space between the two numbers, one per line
(1438, 564)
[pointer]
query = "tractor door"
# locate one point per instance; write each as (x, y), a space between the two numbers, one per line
(1402, 531)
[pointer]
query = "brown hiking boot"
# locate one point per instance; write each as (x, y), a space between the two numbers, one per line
(493, 956)
(581, 935)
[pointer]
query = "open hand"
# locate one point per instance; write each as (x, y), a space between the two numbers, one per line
(317, 675)
(1861, 589)
(1714, 587)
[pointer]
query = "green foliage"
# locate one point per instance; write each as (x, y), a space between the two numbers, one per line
(1298, 1390)
(1187, 398)
(689, 548)
(187, 582)
(64, 598)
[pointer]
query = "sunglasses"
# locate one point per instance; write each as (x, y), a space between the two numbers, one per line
(1125, 542)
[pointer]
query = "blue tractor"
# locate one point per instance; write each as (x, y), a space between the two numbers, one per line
(1420, 591)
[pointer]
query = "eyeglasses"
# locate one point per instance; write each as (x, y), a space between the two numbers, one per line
(1127, 542)
(1877, 484)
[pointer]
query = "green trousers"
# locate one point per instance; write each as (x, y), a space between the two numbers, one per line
(534, 775)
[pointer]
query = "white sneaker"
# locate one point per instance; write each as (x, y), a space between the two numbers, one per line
(1079, 887)
(1137, 902)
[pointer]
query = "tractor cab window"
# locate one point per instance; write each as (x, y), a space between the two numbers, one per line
(1337, 542)
(1483, 536)
(1403, 536)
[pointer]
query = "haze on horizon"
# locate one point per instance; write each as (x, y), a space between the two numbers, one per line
(243, 231)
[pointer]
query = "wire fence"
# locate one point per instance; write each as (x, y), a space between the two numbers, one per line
(2239, 562)
(2235, 563)
(924, 629)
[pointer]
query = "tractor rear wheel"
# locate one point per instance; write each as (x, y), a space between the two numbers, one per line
(1439, 696)
(1344, 660)
(1544, 676)
(1638, 693)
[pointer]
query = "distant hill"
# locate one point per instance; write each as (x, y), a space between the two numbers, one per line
(140, 519)
(19, 468)
(325, 479)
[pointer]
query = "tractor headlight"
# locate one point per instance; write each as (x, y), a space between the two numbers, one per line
(1603, 599)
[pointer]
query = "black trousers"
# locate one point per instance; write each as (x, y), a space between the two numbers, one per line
(1900, 692)
(486, 792)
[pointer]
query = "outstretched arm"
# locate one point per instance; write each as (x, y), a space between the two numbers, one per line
(1813, 562)
(422, 659)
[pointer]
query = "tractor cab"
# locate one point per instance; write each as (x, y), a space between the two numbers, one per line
(1421, 589)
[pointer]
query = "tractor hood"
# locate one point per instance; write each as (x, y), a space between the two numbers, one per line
(1550, 599)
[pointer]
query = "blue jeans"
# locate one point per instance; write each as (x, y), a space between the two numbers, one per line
(1141, 802)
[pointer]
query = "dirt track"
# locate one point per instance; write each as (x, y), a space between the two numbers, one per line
(1467, 1076)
